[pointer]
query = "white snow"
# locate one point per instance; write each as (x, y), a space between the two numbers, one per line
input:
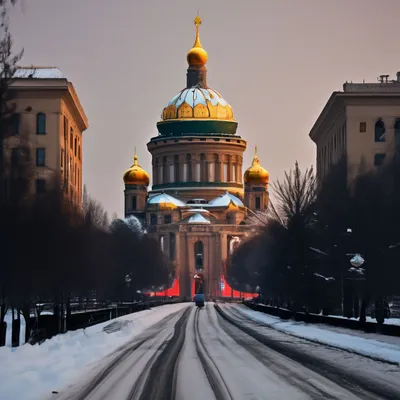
(389, 321)
(39, 73)
(376, 349)
(33, 372)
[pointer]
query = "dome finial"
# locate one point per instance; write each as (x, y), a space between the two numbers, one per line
(197, 56)
(135, 157)
(255, 151)
(197, 21)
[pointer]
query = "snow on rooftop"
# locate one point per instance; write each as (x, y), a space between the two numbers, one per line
(198, 210)
(225, 199)
(39, 73)
(198, 219)
(165, 198)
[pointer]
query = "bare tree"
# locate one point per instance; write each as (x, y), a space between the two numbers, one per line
(94, 211)
(8, 66)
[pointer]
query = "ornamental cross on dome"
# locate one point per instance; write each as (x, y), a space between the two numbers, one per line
(197, 21)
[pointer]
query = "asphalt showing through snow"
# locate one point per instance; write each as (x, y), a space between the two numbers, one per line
(219, 353)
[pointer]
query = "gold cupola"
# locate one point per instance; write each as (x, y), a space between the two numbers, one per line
(136, 175)
(256, 174)
(197, 56)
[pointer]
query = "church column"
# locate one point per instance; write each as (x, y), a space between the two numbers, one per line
(240, 163)
(196, 168)
(203, 168)
(155, 171)
(218, 170)
(237, 169)
(181, 161)
(230, 169)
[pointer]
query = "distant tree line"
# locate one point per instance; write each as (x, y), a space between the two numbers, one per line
(51, 250)
(55, 252)
(300, 257)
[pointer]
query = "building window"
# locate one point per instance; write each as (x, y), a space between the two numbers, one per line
(65, 129)
(379, 131)
(198, 254)
(41, 124)
(40, 157)
(79, 153)
(15, 123)
(62, 158)
(378, 159)
(397, 135)
(176, 169)
(71, 139)
(167, 219)
(258, 203)
(40, 186)
(14, 156)
(363, 127)
(134, 203)
(75, 146)
(165, 170)
(153, 219)
(162, 243)
(188, 168)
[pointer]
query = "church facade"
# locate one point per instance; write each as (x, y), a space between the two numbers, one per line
(200, 198)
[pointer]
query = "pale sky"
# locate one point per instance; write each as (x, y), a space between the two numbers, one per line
(276, 62)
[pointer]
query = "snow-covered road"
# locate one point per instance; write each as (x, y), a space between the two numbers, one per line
(220, 353)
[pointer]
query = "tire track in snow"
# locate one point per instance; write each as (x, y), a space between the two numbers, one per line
(158, 380)
(215, 378)
(290, 375)
(353, 383)
(125, 352)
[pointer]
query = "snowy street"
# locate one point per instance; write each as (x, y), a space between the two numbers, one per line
(222, 352)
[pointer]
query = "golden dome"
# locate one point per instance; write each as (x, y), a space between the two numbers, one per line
(198, 103)
(197, 55)
(136, 175)
(256, 174)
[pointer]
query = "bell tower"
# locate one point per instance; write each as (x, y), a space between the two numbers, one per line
(136, 181)
(256, 178)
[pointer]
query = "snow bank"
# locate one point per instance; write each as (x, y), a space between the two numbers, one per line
(33, 372)
(367, 347)
(388, 321)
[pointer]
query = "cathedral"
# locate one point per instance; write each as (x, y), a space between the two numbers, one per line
(200, 198)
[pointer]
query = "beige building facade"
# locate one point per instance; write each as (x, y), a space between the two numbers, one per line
(361, 124)
(49, 119)
(200, 197)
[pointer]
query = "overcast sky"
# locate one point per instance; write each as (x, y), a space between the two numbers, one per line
(275, 61)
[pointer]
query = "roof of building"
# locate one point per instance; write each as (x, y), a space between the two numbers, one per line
(165, 200)
(136, 175)
(224, 200)
(383, 88)
(34, 72)
(196, 102)
(256, 174)
(198, 219)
